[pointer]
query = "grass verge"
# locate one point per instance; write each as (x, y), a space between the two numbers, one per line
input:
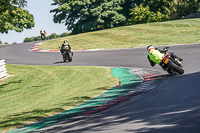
(159, 33)
(36, 92)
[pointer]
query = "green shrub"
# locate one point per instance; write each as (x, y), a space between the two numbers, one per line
(142, 14)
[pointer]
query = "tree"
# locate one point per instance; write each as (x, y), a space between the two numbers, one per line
(88, 15)
(157, 5)
(14, 17)
(179, 8)
(27, 39)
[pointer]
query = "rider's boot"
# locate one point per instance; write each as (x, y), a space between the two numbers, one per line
(180, 59)
(175, 56)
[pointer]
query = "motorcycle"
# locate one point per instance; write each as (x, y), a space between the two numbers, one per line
(43, 36)
(67, 54)
(171, 64)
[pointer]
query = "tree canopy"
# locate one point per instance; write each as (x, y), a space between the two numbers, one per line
(14, 17)
(179, 8)
(87, 15)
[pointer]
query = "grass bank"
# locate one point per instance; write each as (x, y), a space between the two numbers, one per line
(35, 92)
(160, 33)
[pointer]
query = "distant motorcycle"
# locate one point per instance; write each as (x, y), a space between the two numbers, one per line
(171, 65)
(67, 54)
(43, 36)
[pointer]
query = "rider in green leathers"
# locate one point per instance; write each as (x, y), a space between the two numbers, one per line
(156, 55)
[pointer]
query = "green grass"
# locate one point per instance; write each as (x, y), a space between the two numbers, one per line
(160, 33)
(35, 92)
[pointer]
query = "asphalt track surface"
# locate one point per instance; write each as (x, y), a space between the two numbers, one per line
(172, 107)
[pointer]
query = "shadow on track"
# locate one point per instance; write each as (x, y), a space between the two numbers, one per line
(173, 107)
(61, 62)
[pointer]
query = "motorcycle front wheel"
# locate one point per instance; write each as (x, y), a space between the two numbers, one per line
(176, 68)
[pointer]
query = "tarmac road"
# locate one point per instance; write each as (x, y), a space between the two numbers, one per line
(173, 107)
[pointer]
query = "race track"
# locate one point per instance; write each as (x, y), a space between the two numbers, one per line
(172, 107)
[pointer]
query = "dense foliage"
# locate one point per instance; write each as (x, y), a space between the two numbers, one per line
(162, 10)
(88, 15)
(143, 15)
(179, 8)
(157, 5)
(14, 17)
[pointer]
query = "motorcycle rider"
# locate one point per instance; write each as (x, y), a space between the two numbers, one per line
(43, 32)
(64, 45)
(156, 55)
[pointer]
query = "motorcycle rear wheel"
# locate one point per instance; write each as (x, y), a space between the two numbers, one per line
(70, 57)
(64, 58)
(169, 71)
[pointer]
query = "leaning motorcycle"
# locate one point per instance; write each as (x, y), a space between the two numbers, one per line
(67, 54)
(170, 64)
(43, 36)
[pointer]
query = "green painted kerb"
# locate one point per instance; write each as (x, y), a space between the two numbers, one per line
(129, 82)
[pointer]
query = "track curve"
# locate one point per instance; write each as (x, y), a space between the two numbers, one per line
(174, 106)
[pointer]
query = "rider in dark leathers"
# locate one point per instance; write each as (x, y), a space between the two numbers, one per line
(64, 45)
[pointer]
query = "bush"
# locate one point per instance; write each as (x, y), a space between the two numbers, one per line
(65, 34)
(27, 39)
(142, 14)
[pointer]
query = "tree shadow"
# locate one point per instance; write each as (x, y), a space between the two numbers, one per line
(154, 113)
(26, 116)
(77, 100)
(12, 82)
(169, 109)
(103, 88)
(4, 86)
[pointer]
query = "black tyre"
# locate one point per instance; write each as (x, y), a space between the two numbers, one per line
(64, 58)
(170, 72)
(70, 57)
(176, 68)
(43, 37)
